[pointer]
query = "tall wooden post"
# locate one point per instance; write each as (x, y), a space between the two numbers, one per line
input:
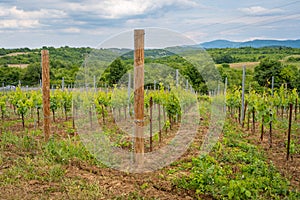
(272, 85)
(151, 121)
(139, 94)
(46, 92)
(289, 132)
(243, 96)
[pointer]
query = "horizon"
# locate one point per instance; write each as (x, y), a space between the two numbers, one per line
(62, 46)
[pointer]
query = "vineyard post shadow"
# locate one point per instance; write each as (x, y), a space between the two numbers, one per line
(46, 92)
(139, 95)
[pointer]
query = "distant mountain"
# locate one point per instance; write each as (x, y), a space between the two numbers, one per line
(253, 43)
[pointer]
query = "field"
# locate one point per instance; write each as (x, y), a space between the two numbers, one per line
(239, 165)
(254, 153)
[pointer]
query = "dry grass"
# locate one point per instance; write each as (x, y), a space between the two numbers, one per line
(15, 54)
(249, 65)
(18, 65)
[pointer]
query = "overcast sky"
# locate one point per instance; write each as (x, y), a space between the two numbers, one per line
(31, 23)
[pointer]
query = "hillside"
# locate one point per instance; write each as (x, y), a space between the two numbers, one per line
(24, 64)
(253, 43)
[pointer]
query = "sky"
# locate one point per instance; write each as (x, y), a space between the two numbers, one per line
(33, 24)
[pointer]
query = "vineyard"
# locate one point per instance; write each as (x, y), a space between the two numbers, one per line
(112, 123)
(244, 162)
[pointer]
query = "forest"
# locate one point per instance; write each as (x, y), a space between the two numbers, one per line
(23, 65)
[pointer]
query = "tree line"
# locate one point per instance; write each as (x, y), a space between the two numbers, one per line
(66, 61)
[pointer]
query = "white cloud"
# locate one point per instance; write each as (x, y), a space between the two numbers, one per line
(14, 23)
(14, 12)
(13, 17)
(115, 9)
(258, 10)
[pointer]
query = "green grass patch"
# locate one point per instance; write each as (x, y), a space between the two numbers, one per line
(236, 169)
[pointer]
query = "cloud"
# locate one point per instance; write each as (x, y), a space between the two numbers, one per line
(13, 17)
(14, 23)
(258, 10)
(82, 21)
(14, 12)
(116, 9)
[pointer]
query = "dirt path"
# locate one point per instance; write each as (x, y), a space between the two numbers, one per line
(277, 153)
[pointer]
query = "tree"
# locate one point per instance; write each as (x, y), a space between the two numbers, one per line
(10, 75)
(114, 72)
(32, 74)
(290, 75)
(265, 70)
(220, 59)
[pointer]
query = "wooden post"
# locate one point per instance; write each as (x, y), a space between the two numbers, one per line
(253, 121)
(151, 107)
(272, 85)
(262, 129)
(289, 132)
(270, 132)
(296, 107)
(244, 113)
(46, 92)
(159, 124)
(128, 92)
(139, 94)
(73, 114)
(243, 96)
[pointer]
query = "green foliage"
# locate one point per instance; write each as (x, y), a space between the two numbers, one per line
(10, 75)
(119, 98)
(20, 100)
(66, 100)
(54, 101)
(265, 70)
(249, 54)
(3, 101)
(114, 72)
(224, 58)
(236, 171)
(32, 74)
(63, 151)
(283, 74)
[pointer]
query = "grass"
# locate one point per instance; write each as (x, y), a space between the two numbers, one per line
(248, 65)
(62, 168)
(27, 161)
(235, 169)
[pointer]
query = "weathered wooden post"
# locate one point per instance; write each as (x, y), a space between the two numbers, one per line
(289, 132)
(139, 94)
(242, 116)
(151, 121)
(272, 85)
(46, 92)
